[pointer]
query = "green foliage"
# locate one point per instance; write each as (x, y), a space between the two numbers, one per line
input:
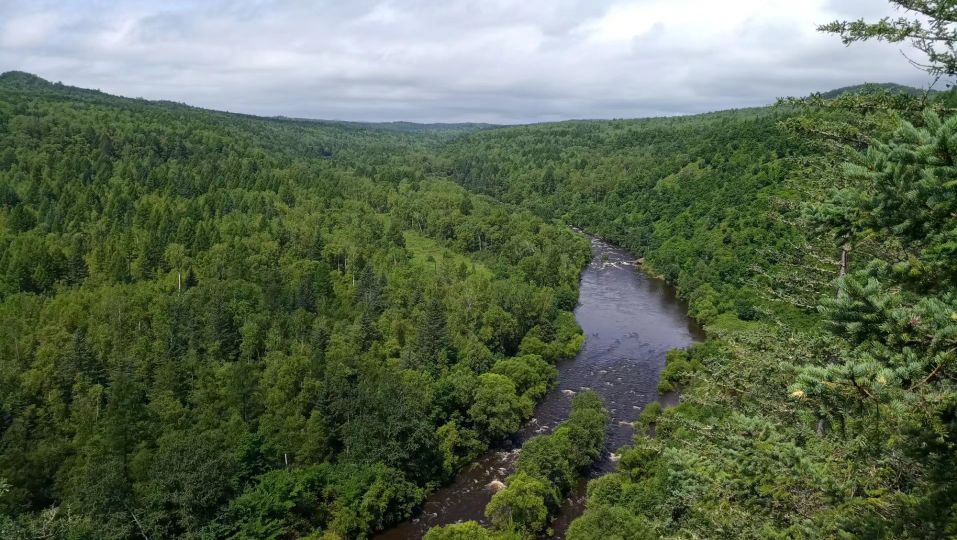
(523, 507)
(530, 373)
(469, 530)
(725, 206)
(930, 30)
(215, 324)
(699, 198)
(347, 500)
(585, 430)
(548, 467)
(458, 446)
(610, 523)
(497, 409)
(859, 451)
(892, 364)
(649, 415)
(679, 368)
(547, 459)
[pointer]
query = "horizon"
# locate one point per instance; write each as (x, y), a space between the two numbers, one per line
(441, 123)
(451, 62)
(490, 270)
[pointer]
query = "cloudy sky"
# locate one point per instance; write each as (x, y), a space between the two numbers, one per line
(501, 61)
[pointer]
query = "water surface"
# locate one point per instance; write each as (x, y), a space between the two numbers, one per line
(630, 322)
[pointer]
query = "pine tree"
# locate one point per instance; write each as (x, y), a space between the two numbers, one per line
(431, 343)
(368, 333)
(315, 250)
(76, 265)
(899, 317)
(369, 291)
(191, 279)
(895, 319)
(930, 30)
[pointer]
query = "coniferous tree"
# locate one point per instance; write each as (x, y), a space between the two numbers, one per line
(897, 316)
(191, 279)
(930, 29)
(431, 341)
(368, 333)
(317, 247)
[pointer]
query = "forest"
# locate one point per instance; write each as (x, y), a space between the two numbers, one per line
(215, 325)
(814, 240)
(222, 326)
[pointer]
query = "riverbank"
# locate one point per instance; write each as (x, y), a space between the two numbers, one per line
(630, 321)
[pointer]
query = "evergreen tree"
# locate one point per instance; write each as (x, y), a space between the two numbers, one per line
(896, 318)
(368, 333)
(317, 247)
(369, 290)
(431, 342)
(931, 30)
(191, 279)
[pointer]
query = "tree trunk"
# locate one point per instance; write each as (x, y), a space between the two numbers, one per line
(845, 259)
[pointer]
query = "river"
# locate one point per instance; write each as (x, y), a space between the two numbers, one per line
(630, 321)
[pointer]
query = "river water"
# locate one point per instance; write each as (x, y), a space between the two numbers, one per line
(630, 321)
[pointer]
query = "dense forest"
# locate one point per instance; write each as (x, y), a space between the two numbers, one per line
(223, 326)
(815, 240)
(818, 407)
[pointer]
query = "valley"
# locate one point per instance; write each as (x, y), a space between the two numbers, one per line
(219, 325)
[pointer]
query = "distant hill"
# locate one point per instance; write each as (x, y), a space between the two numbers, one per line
(406, 127)
(870, 88)
(413, 127)
(23, 81)
(268, 217)
(22, 78)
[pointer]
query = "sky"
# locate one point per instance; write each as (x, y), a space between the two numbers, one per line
(491, 61)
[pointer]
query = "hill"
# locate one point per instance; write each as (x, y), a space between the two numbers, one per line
(227, 326)
(218, 325)
(23, 81)
(870, 88)
(797, 416)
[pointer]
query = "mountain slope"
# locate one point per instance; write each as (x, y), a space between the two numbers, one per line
(870, 88)
(747, 212)
(219, 325)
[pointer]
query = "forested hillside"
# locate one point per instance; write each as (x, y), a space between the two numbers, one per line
(698, 197)
(223, 326)
(815, 240)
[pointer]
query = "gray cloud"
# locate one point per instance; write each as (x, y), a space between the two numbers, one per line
(453, 60)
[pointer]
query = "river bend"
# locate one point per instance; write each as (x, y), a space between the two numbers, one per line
(630, 321)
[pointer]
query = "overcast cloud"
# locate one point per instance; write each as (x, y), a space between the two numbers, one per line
(448, 60)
